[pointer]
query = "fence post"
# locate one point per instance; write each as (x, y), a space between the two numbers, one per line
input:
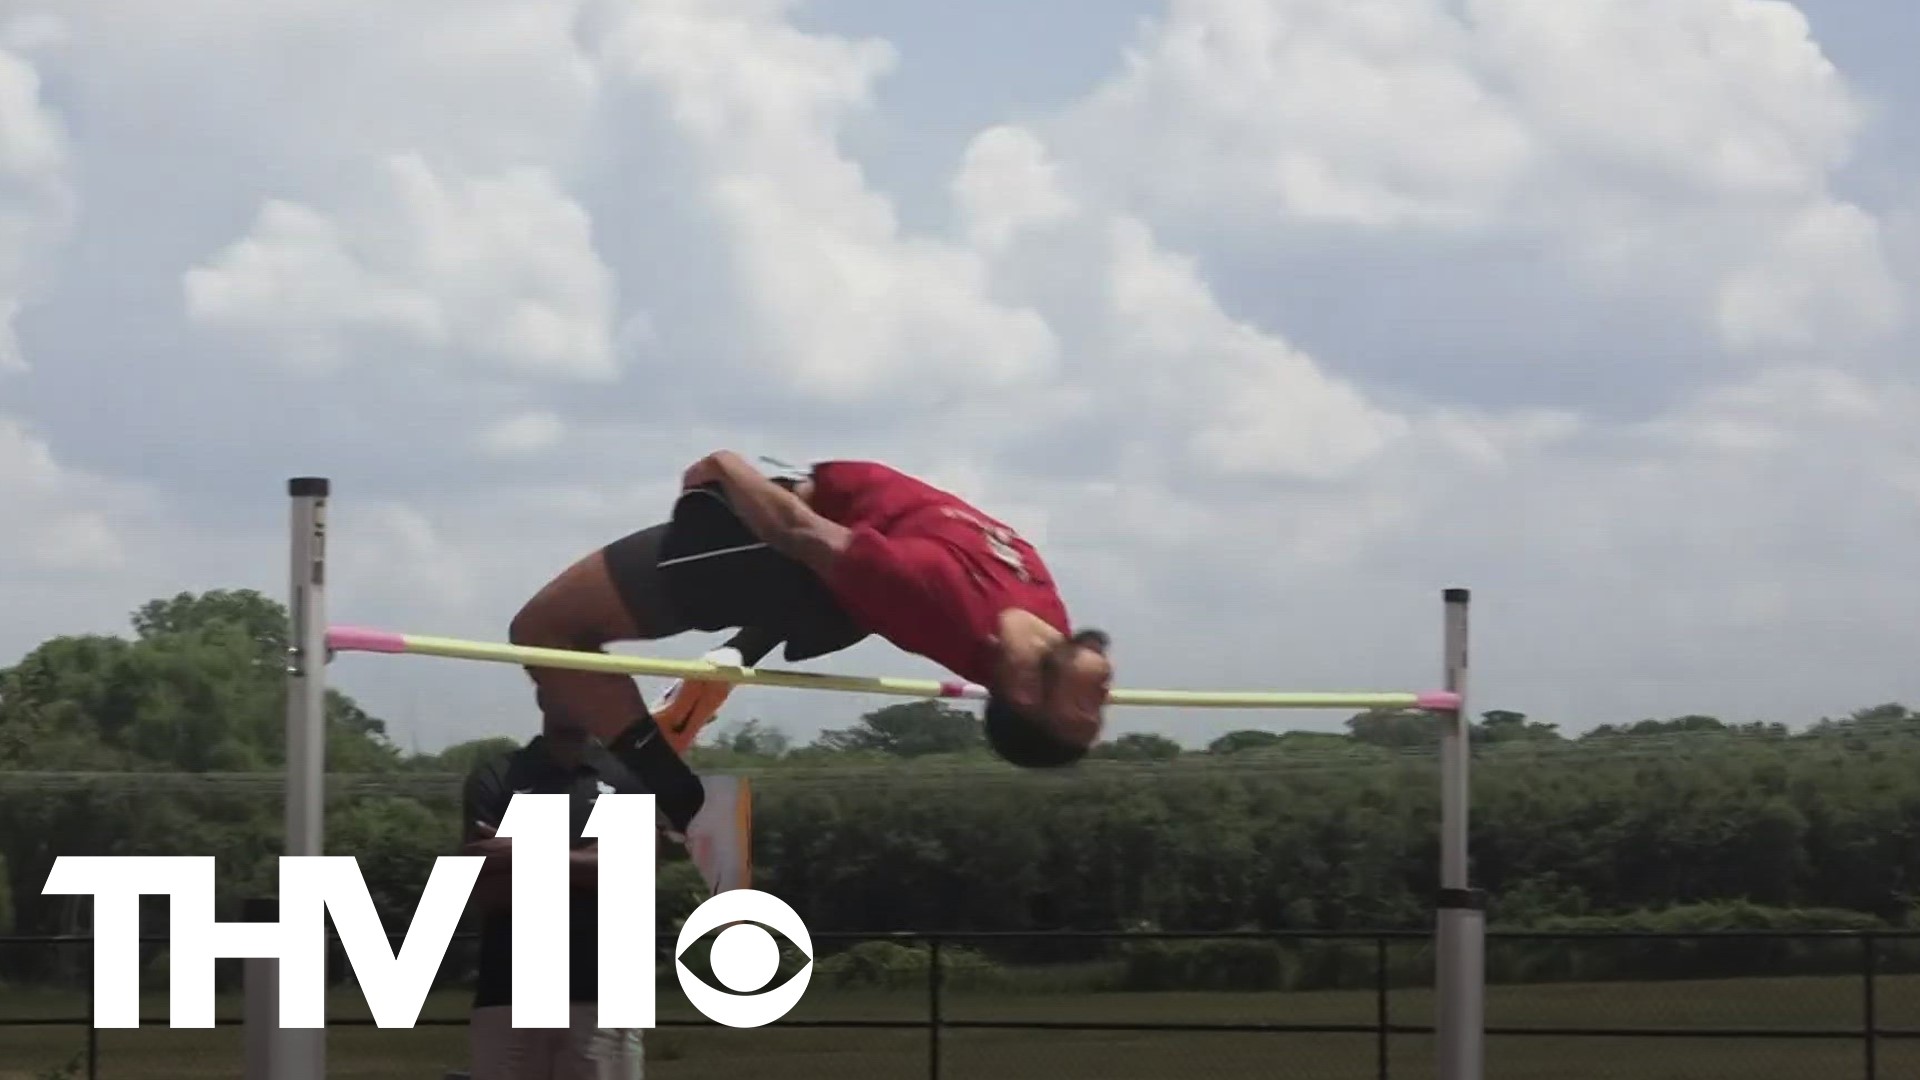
(260, 985)
(93, 1031)
(1380, 1000)
(1869, 972)
(933, 1007)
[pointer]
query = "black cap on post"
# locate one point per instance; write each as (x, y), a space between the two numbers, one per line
(301, 487)
(1455, 596)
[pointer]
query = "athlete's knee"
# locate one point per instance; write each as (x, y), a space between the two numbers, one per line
(532, 625)
(542, 623)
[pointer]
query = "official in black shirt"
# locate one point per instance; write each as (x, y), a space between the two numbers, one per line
(562, 759)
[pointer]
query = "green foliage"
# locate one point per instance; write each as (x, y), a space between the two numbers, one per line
(1221, 964)
(753, 740)
(1501, 726)
(460, 758)
(199, 688)
(1234, 742)
(909, 730)
(248, 614)
(892, 965)
(902, 821)
(679, 890)
(1397, 729)
(396, 840)
(1607, 955)
(1137, 747)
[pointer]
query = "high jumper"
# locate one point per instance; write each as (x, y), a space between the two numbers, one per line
(819, 559)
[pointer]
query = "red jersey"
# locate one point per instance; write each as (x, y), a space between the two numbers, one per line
(926, 571)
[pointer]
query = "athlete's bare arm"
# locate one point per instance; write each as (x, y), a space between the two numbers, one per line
(780, 517)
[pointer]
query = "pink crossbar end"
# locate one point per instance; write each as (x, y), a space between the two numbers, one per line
(1439, 700)
(363, 639)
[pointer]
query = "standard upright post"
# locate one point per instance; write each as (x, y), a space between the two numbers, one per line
(262, 1007)
(1460, 922)
(300, 1054)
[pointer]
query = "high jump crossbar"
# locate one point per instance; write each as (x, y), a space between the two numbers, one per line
(363, 639)
(275, 1053)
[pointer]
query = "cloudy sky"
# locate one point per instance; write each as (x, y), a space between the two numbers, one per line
(1266, 319)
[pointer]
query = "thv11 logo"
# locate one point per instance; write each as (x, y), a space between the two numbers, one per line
(743, 956)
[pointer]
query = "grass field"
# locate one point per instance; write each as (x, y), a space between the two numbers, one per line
(158, 1053)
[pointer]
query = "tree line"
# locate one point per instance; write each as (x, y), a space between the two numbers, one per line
(902, 821)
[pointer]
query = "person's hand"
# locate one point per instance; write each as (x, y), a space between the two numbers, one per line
(488, 846)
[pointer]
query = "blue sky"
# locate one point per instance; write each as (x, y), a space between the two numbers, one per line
(1269, 319)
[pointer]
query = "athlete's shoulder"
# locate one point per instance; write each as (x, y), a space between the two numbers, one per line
(853, 477)
(855, 470)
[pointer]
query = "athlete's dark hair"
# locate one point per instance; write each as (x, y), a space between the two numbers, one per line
(1025, 740)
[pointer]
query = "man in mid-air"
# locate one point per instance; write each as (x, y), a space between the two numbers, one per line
(819, 559)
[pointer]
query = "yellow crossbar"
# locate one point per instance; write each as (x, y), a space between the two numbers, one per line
(361, 639)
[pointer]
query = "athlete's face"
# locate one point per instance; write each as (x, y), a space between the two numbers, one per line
(1076, 677)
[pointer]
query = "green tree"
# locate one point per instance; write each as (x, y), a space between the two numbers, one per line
(752, 739)
(1679, 725)
(1395, 728)
(1137, 746)
(461, 757)
(1235, 742)
(901, 821)
(1502, 726)
(912, 729)
(199, 688)
(255, 617)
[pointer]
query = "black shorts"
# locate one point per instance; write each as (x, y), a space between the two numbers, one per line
(705, 570)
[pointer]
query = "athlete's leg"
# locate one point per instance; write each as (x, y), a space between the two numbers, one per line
(612, 595)
(605, 597)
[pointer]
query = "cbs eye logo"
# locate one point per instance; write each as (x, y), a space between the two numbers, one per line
(744, 956)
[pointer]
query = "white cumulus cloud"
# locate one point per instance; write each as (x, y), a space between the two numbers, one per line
(37, 199)
(697, 212)
(498, 271)
(58, 518)
(1660, 146)
(524, 434)
(839, 301)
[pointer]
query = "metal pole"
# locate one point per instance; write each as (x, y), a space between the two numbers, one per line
(93, 1031)
(934, 1017)
(1381, 1017)
(261, 1010)
(1460, 910)
(1870, 1019)
(301, 1054)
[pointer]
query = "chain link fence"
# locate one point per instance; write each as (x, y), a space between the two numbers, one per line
(1760, 1005)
